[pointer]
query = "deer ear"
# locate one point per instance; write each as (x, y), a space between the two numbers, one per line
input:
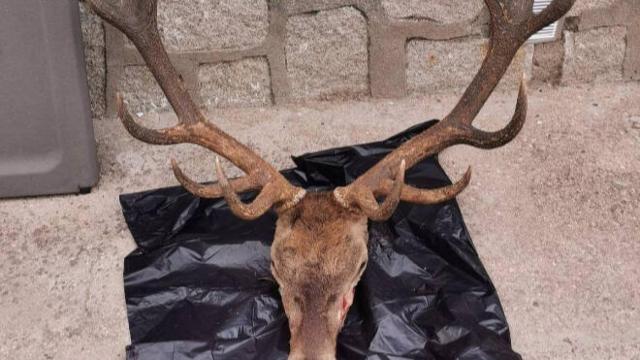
(345, 304)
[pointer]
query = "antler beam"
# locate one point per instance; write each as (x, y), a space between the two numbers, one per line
(512, 23)
(137, 19)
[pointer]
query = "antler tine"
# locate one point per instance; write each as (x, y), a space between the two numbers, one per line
(138, 20)
(491, 140)
(428, 196)
(259, 206)
(366, 200)
(168, 136)
(212, 191)
(510, 28)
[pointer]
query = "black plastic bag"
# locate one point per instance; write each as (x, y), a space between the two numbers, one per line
(199, 285)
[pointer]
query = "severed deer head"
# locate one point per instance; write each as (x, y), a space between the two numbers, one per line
(320, 247)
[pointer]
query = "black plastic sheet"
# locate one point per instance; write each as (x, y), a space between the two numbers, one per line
(199, 285)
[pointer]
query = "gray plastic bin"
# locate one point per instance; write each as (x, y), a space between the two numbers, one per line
(46, 134)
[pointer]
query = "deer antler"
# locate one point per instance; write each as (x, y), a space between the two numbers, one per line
(512, 23)
(138, 20)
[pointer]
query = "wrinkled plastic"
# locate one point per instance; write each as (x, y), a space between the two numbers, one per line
(199, 285)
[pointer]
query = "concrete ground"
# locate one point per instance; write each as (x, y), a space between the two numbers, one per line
(555, 216)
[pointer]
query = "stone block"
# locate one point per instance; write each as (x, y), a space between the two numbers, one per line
(327, 54)
(244, 82)
(94, 53)
(198, 25)
(141, 91)
(547, 62)
(582, 5)
(441, 11)
(435, 66)
(594, 55)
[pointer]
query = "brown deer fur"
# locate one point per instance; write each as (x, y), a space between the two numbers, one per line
(318, 255)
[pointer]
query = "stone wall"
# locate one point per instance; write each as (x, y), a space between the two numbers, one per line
(600, 42)
(261, 52)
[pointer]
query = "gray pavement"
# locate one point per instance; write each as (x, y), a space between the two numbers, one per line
(555, 216)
